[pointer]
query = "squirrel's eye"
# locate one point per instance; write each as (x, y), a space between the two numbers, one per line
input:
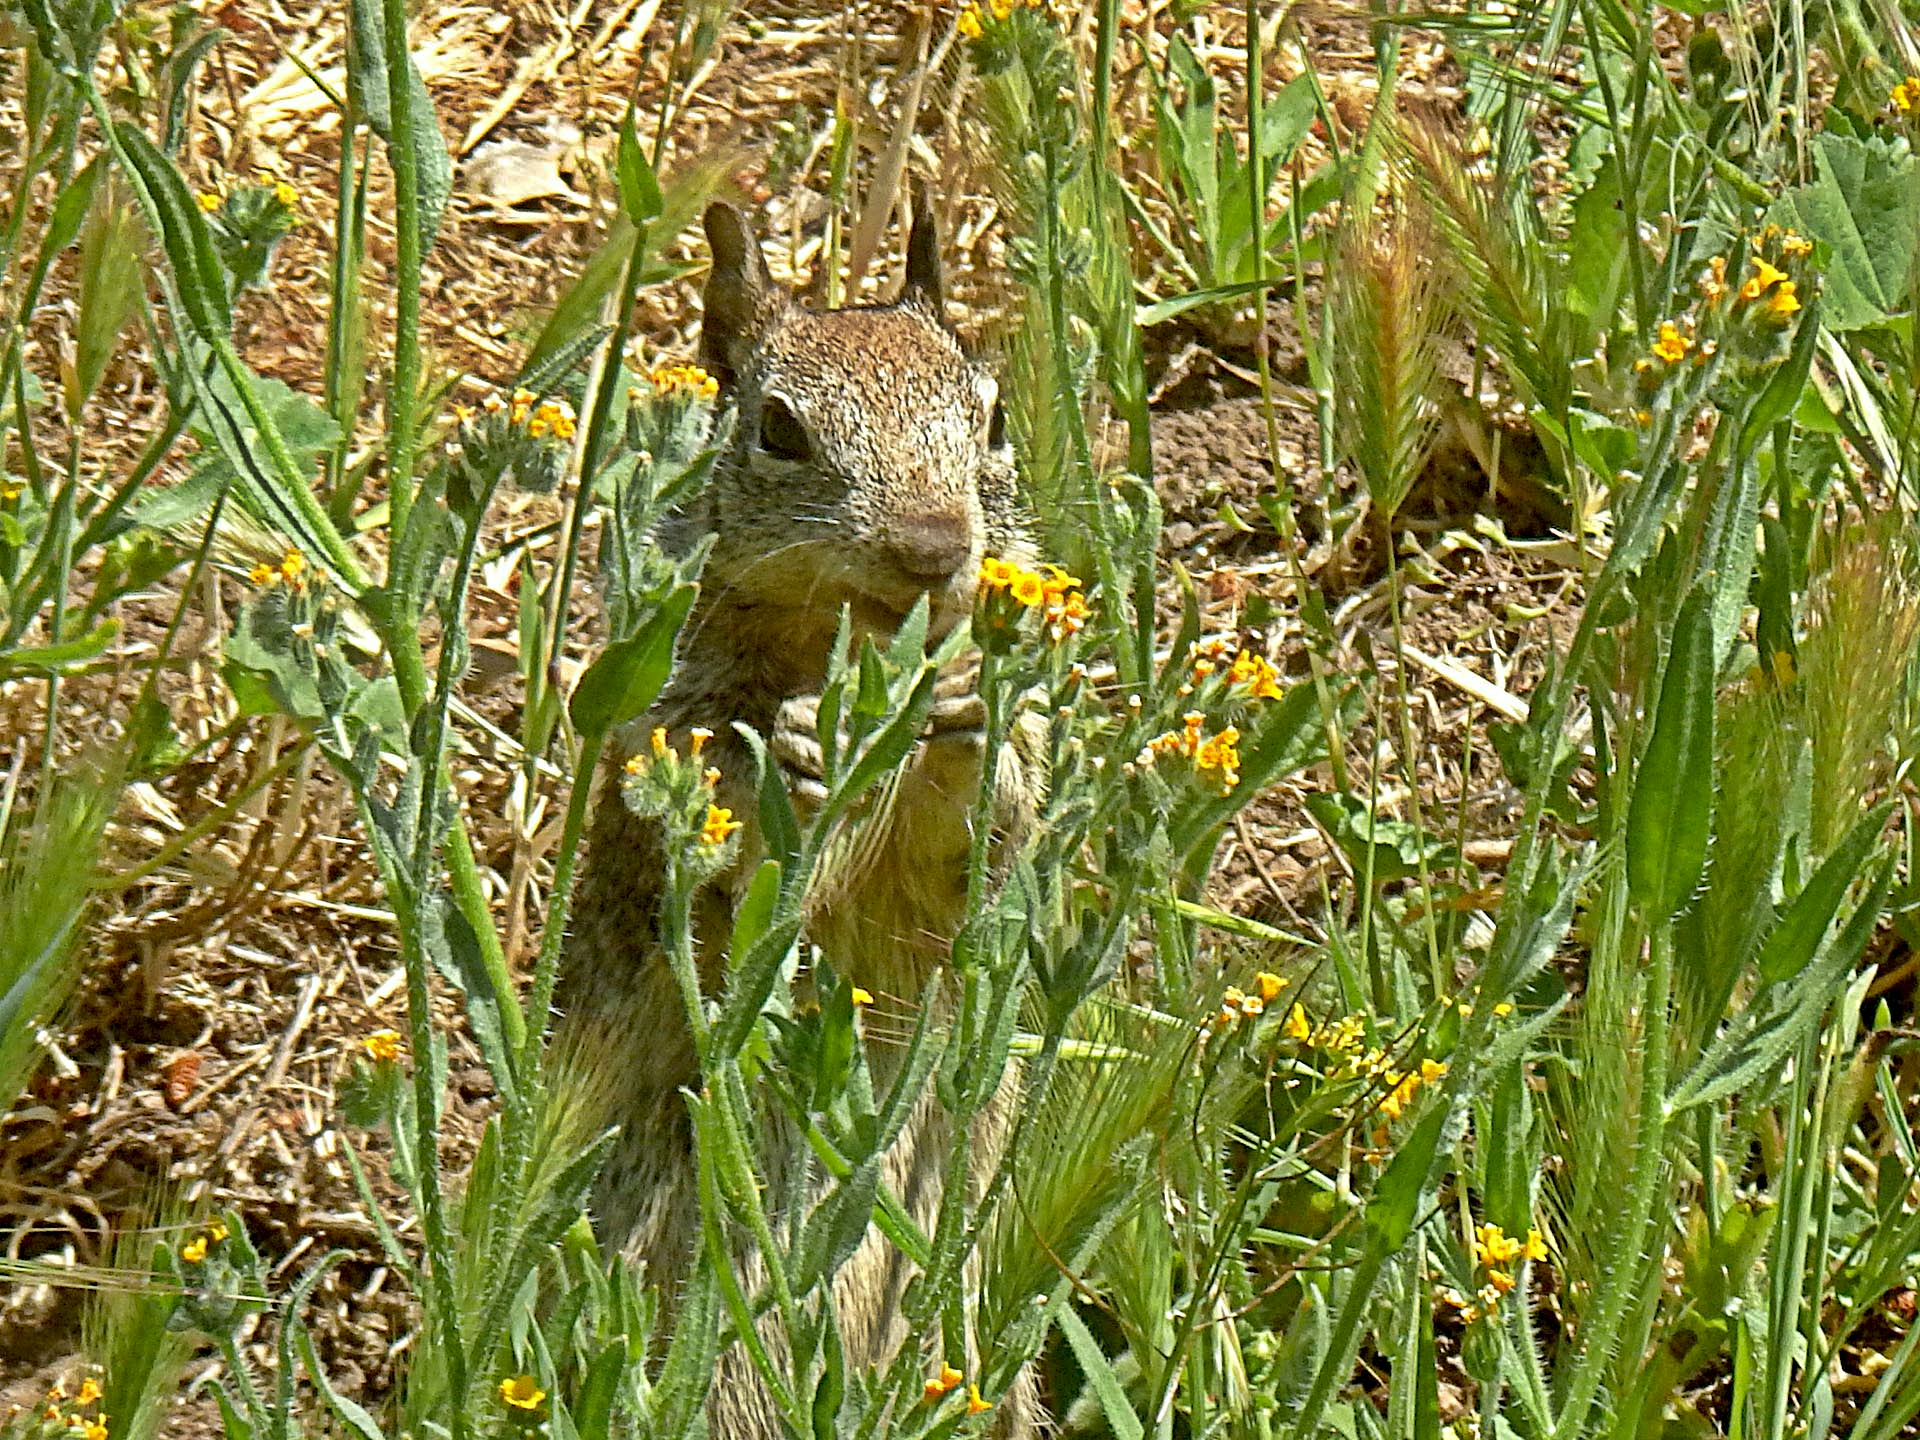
(781, 432)
(997, 427)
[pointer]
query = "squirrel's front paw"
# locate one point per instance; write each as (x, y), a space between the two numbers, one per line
(796, 748)
(956, 737)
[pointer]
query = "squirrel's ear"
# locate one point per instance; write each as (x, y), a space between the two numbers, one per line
(924, 287)
(739, 292)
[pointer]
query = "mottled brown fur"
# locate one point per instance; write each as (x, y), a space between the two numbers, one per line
(866, 470)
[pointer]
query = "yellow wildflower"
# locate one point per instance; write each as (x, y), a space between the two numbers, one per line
(1535, 1247)
(1404, 1087)
(288, 197)
(1493, 1246)
(862, 997)
(522, 1392)
(658, 740)
(1259, 678)
(1672, 346)
(997, 574)
(90, 1387)
(719, 825)
(948, 1380)
(1795, 247)
(697, 738)
(1221, 754)
(969, 23)
(1269, 985)
(975, 1405)
(1296, 1027)
(382, 1045)
(1028, 588)
(683, 379)
(95, 1429)
(1906, 95)
(195, 1250)
(291, 566)
(1500, 1280)
(1764, 276)
(218, 1231)
(263, 574)
(210, 200)
(1783, 301)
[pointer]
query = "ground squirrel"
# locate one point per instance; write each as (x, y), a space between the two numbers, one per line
(868, 467)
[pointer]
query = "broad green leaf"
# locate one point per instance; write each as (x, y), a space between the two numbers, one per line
(367, 67)
(1395, 1201)
(1671, 812)
(627, 677)
(1865, 205)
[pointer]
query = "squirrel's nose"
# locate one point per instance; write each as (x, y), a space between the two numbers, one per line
(932, 545)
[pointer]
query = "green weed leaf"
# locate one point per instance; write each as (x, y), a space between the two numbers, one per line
(1671, 812)
(627, 677)
(1865, 205)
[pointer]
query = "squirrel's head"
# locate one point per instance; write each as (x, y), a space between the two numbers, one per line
(870, 463)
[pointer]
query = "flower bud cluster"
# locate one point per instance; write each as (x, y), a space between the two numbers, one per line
(677, 789)
(1008, 590)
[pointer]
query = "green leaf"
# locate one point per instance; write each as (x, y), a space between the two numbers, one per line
(1751, 1049)
(1671, 812)
(1790, 946)
(627, 677)
(184, 235)
(1101, 1379)
(367, 52)
(639, 188)
(1395, 1201)
(1865, 206)
(832, 1387)
(62, 659)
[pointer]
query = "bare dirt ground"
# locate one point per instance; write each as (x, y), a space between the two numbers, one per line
(230, 984)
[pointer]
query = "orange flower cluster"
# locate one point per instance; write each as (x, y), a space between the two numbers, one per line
(1401, 1088)
(382, 1046)
(1245, 671)
(1056, 594)
(72, 1423)
(682, 379)
(195, 1250)
(949, 1380)
(291, 572)
(1494, 1252)
(1216, 758)
(551, 416)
